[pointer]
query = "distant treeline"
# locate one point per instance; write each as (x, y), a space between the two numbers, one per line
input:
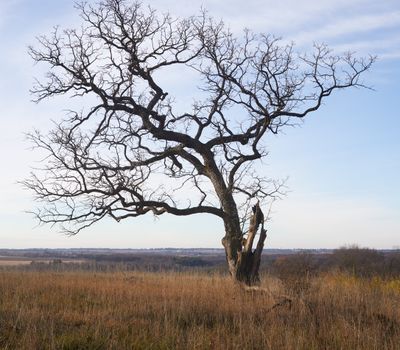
(361, 262)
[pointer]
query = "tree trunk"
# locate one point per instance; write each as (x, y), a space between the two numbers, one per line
(243, 261)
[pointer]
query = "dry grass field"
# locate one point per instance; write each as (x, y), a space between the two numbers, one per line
(132, 310)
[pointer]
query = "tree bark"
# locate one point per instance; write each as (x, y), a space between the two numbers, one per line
(243, 261)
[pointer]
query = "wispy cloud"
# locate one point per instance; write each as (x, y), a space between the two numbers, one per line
(385, 48)
(350, 26)
(395, 55)
(274, 16)
(367, 45)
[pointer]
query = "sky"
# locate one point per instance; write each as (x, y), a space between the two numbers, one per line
(343, 162)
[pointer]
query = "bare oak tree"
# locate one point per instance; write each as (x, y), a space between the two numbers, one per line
(133, 151)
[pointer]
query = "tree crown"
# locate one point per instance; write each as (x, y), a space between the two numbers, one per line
(133, 151)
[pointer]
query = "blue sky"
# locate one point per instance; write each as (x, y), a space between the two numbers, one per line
(343, 163)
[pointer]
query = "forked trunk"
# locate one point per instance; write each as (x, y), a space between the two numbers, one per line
(243, 261)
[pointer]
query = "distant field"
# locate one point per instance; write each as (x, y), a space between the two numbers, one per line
(14, 262)
(137, 310)
(20, 261)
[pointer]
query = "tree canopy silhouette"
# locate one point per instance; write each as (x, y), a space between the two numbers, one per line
(133, 151)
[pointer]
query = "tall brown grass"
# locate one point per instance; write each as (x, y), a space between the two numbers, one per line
(131, 310)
